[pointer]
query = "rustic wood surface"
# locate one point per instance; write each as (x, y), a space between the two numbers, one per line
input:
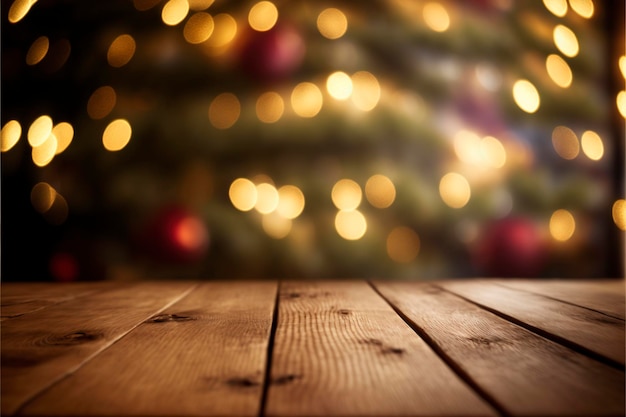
(312, 348)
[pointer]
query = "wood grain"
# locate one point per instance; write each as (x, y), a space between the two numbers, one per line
(341, 350)
(524, 373)
(41, 347)
(580, 326)
(205, 355)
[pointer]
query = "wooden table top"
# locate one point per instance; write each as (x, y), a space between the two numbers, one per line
(313, 348)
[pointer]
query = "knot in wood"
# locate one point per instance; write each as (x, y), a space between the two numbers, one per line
(285, 379)
(161, 318)
(74, 338)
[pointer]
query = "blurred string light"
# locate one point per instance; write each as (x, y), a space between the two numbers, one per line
(198, 28)
(270, 107)
(622, 65)
(339, 85)
(276, 226)
(565, 41)
(116, 135)
(350, 224)
(592, 146)
(559, 71)
(267, 198)
(454, 190)
(565, 142)
(224, 31)
(121, 51)
(332, 23)
(263, 16)
(526, 96)
(224, 111)
(484, 152)
(198, 5)
(64, 133)
(101, 102)
(380, 191)
(174, 12)
(403, 244)
(290, 201)
(618, 212)
(562, 225)
(242, 194)
(11, 133)
(436, 17)
(19, 9)
(306, 100)
(556, 7)
(38, 50)
(43, 153)
(365, 90)
(39, 130)
(47, 201)
(584, 8)
(346, 194)
(620, 100)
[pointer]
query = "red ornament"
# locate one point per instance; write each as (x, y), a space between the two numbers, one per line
(64, 267)
(511, 247)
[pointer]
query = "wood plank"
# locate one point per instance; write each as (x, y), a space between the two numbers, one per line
(205, 355)
(580, 327)
(341, 350)
(524, 373)
(41, 347)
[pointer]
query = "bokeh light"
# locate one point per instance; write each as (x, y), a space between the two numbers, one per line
(618, 211)
(565, 41)
(339, 85)
(346, 194)
(42, 196)
(242, 194)
(116, 135)
(43, 153)
(592, 146)
(40, 130)
(275, 225)
(11, 133)
(19, 9)
(143, 5)
(174, 12)
(101, 102)
(224, 111)
(37, 50)
(121, 51)
(350, 224)
(526, 96)
(403, 244)
(620, 100)
(306, 100)
(584, 8)
(198, 28)
(493, 152)
(290, 201)
(556, 7)
(380, 191)
(436, 17)
(332, 23)
(365, 90)
(454, 190)
(559, 71)
(267, 198)
(270, 107)
(64, 132)
(224, 30)
(562, 225)
(198, 5)
(565, 142)
(263, 16)
(190, 233)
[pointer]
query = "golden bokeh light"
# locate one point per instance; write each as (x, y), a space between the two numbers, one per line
(19, 9)
(198, 5)
(267, 198)
(198, 28)
(436, 17)
(276, 226)
(350, 224)
(306, 100)
(242, 194)
(556, 7)
(42, 196)
(64, 132)
(620, 100)
(618, 212)
(174, 12)
(101, 102)
(562, 225)
(58, 213)
(224, 111)
(339, 85)
(403, 244)
(43, 154)
(559, 71)
(39, 130)
(380, 191)
(191, 233)
(565, 41)
(332, 23)
(117, 135)
(592, 146)
(270, 107)
(622, 65)
(143, 5)
(565, 142)
(526, 96)
(467, 147)
(584, 8)
(365, 90)
(37, 50)
(454, 190)
(263, 16)
(121, 51)
(224, 30)
(10, 135)
(290, 201)
(346, 194)
(493, 152)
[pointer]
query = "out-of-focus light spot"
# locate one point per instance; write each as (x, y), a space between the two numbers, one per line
(143, 5)
(19, 9)
(346, 194)
(332, 23)
(101, 102)
(467, 147)
(198, 28)
(380, 191)
(116, 135)
(556, 7)
(11, 132)
(559, 71)
(263, 16)
(290, 201)
(243, 194)
(619, 213)
(622, 65)
(565, 142)
(493, 152)
(39, 130)
(121, 51)
(64, 267)
(526, 96)
(454, 189)
(583, 7)
(58, 54)
(565, 40)
(488, 77)
(365, 90)
(436, 17)
(351, 224)
(276, 226)
(339, 85)
(562, 225)
(621, 103)
(42, 196)
(403, 244)
(200, 4)
(306, 100)
(43, 154)
(64, 132)
(190, 233)
(267, 198)
(37, 50)
(174, 12)
(224, 31)
(592, 145)
(270, 107)
(224, 111)
(59, 211)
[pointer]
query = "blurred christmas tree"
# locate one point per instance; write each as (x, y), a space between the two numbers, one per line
(293, 139)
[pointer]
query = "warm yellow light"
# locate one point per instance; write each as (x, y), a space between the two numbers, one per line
(306, 100)
(290, 201)
(224, 110)
(619, 213)
(224, 30)
(583, 7)
(174, 12)
(467, 147)
(436, 17)
(101, 102)
(332, 23)
(454, 190)
(270, 107)
(64, 132)
(493, 152)
(43, 154)
(11, 133)
(622, 65)
(403, 244)
(267, 198)
(117, 135)
(526, 96)
(263, 16)
(380, 191)
(592, 145)
(200, 4)
(42, 196)
(121, 51)
(562, 225)
(59, 211)
(198, 28)
(559, 71)
(243, 194)
(620, 100)
(19, 9)
(365, 90)
(38, 50)
(339, 85)
(565, 40)
(276, 226)
(556, 7)
(346, 194)
(565, 142)
(350, 225)
(39, 130)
